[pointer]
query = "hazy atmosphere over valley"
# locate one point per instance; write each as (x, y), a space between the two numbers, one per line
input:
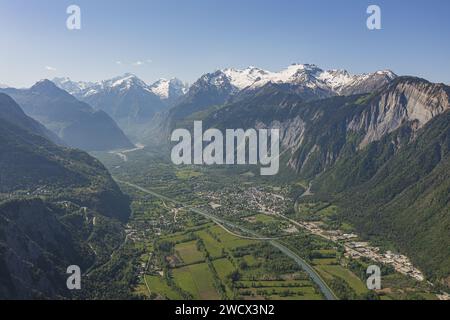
(224, 150)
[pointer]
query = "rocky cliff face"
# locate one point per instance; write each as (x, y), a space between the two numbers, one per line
(360, 121)
(367, 83)
(316, 133)
(405, 100)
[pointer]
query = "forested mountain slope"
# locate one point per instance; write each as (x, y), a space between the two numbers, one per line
(58, 207)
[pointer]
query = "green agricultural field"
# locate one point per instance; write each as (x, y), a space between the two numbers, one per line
(197, 280)
(230, 241)
(346, 227)
(264, 218)
(278, 293)
(176, 237)
(327, 252)
(399, 287)
(324, 257)
(213, 247)
(296, 298)
(274, 284)
(330, 271)
(188, 252)
(250, 260)
(140, 289)
(159, 286)
(315, 210)
(324, 261)
(186, 174)
(328, 211)
(223, 267)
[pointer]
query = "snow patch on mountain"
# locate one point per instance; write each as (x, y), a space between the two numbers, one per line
(72, 87)
(162, 88)
(309, 75)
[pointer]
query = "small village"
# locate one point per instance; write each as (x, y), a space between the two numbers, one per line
(258, 200)
(357, 249)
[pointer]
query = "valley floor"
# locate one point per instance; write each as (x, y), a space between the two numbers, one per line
(219, 233)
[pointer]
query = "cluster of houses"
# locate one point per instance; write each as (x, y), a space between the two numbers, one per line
(236, 201)
(357, 249)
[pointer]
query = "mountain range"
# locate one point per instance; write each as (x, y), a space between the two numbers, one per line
(163, 88)
(133, 104)
(333, 82)
(127, 99)
(307, 81)
(76, 123)
(11, 112)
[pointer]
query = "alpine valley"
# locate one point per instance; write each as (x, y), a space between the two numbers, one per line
(364, 180)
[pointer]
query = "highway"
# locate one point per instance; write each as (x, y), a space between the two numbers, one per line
(315, 277)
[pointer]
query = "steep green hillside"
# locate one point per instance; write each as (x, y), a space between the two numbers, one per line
(30, 164)
(58, 207)
(398, 189)
(40, 239)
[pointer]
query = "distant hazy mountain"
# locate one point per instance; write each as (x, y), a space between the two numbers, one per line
(58, 207)
(75, 122)
(11, 112)
(210, 89)
(165, 89)
(127, 99)
(169, 90)
(75, 88)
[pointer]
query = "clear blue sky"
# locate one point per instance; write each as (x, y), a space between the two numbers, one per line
(187, 38)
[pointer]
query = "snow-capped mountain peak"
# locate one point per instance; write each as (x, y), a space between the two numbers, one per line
(335, 78)
(72, 87)
(165, 89)
(244, 78)
(307, 75)
(161, 88)
(124, 82)
(256, 77)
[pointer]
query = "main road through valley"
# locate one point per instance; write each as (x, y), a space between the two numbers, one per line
(315, 277)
